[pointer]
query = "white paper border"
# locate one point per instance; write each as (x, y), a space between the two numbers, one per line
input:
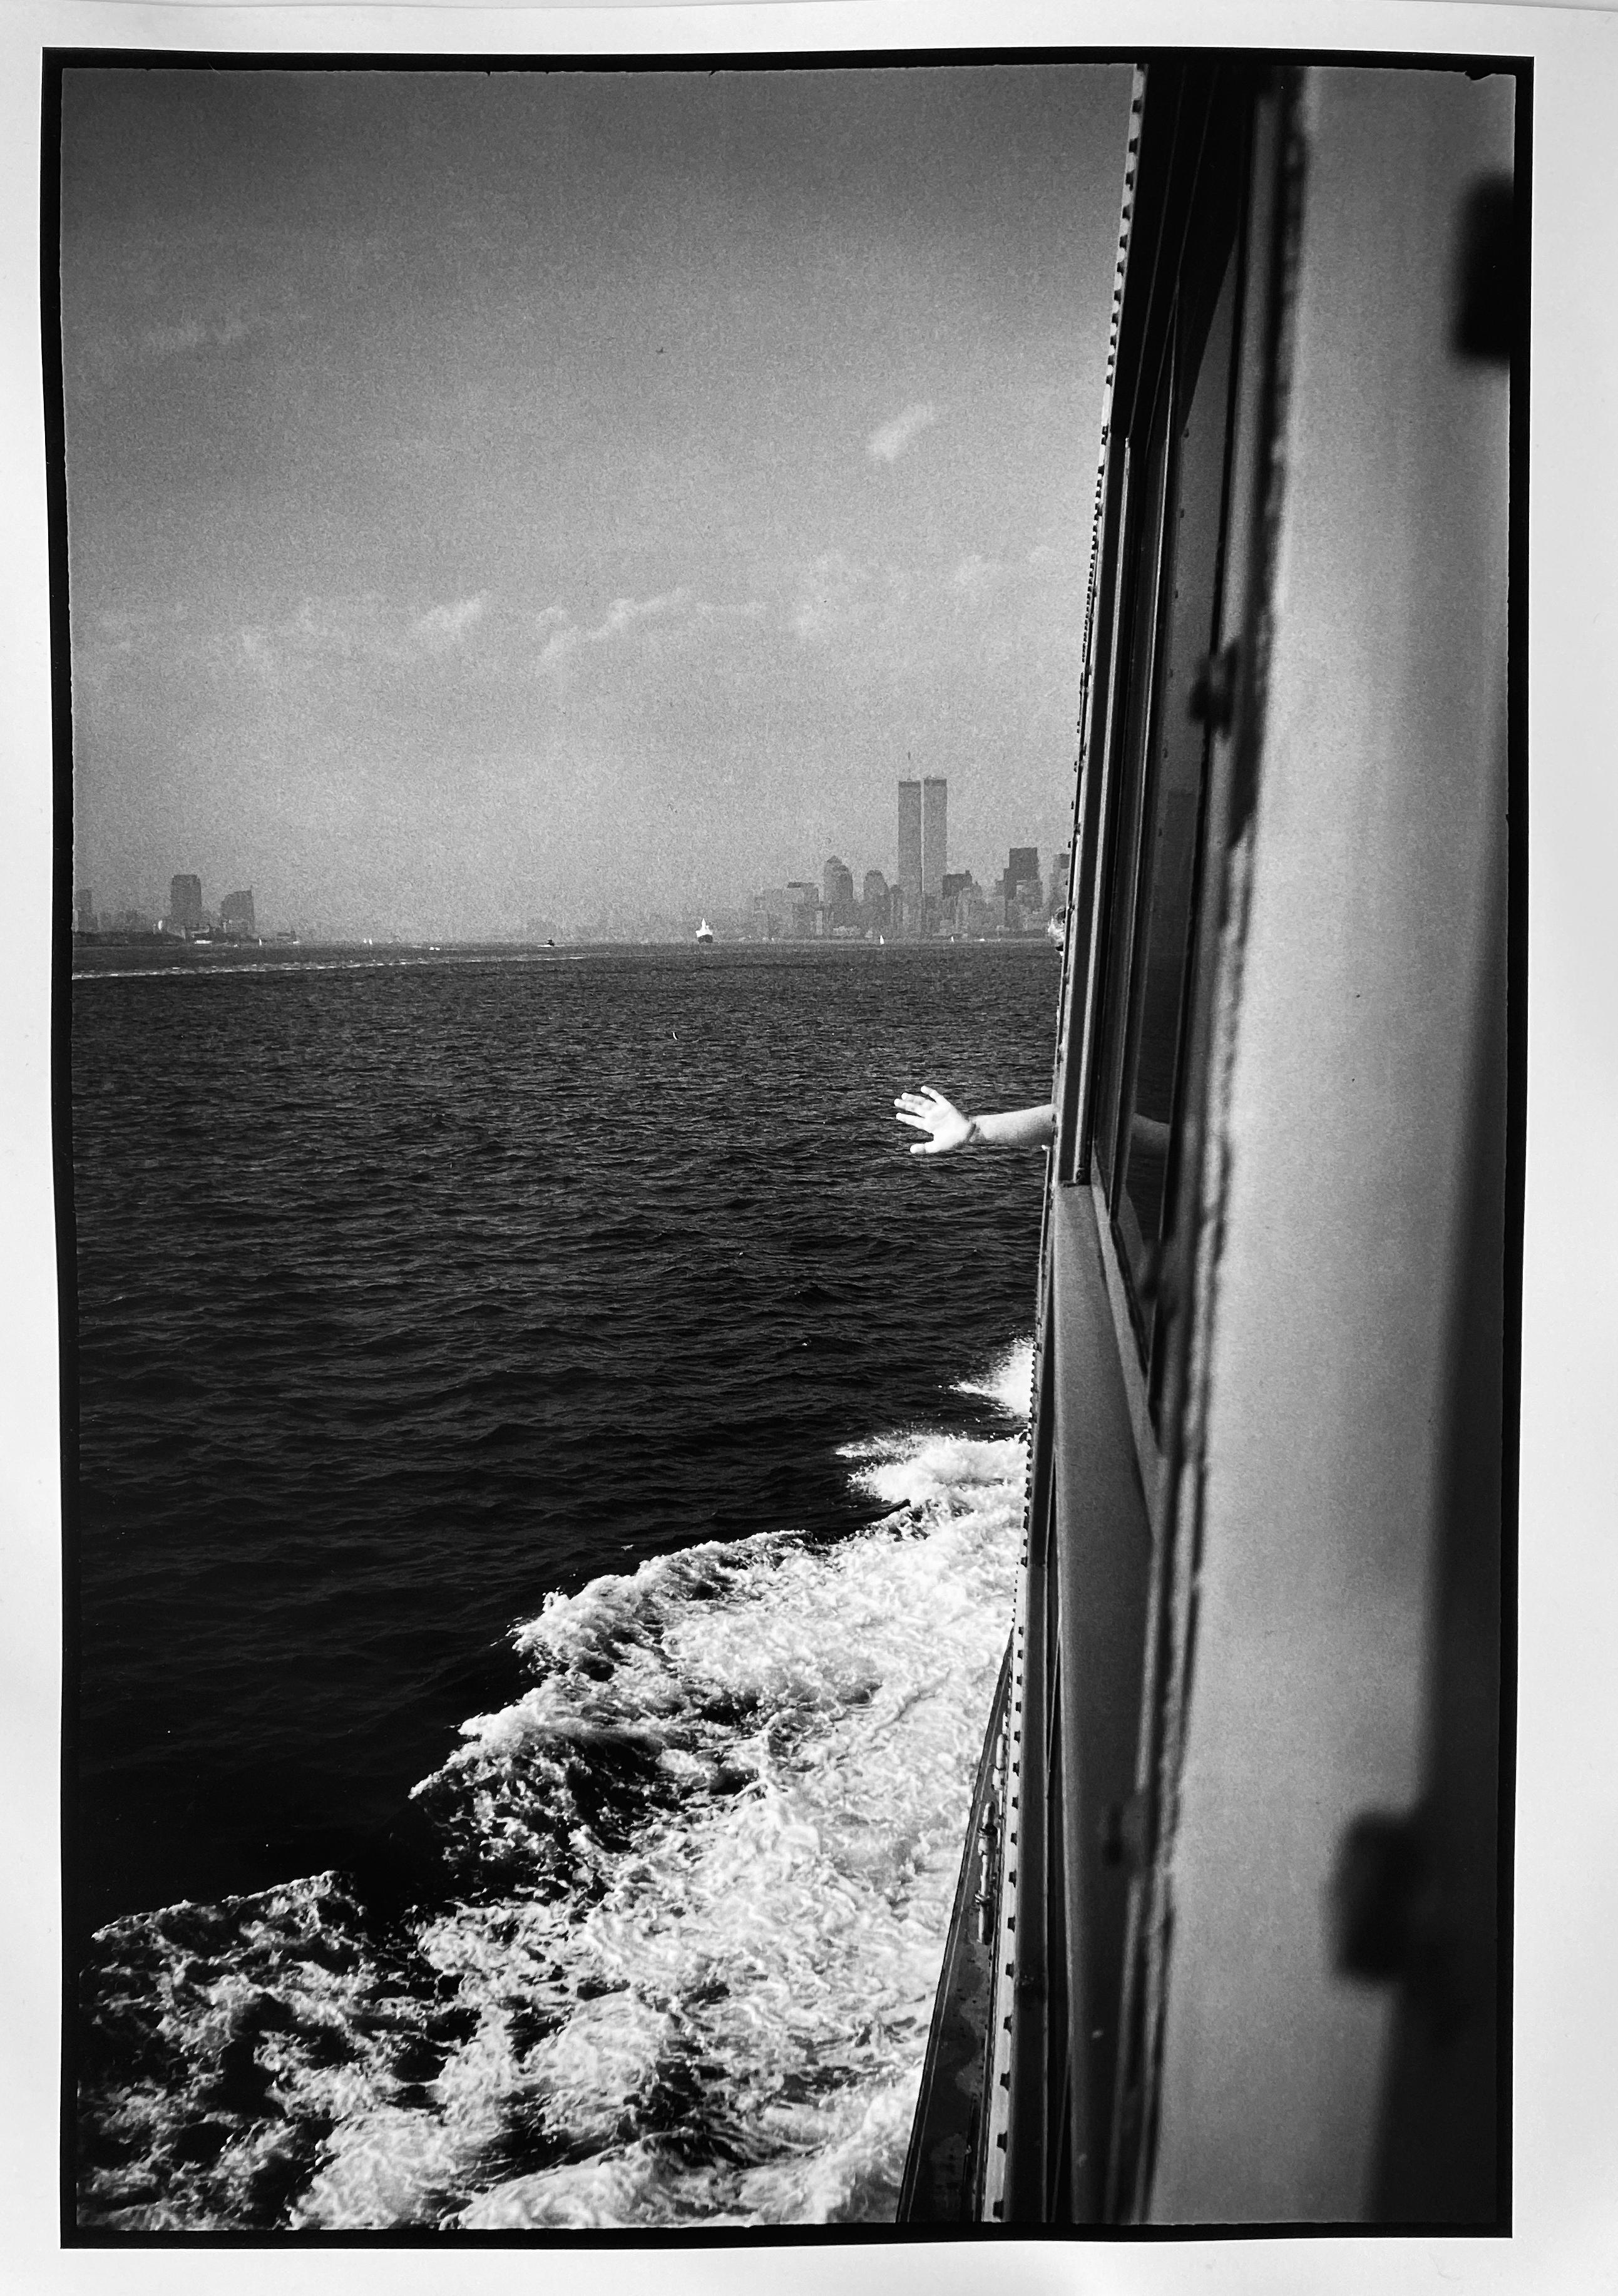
(1565, 2161)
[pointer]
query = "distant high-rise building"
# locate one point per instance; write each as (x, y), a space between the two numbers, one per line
(876, 902)
(924, 850)
(837, 891)
(805, 899)
(779, 910)
(935, 837)
(1020, 890)
(236, 913)
(963, 910)
(909, 886)
(185, 904)
(84, 910)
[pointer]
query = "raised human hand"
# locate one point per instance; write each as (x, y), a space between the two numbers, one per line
(928, 1111)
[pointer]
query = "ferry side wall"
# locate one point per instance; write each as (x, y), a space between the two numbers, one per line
(1371, 1018)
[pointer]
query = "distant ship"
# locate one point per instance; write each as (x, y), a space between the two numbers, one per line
(704, 932)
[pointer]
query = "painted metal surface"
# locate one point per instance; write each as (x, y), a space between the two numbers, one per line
(1353, 1085)
(1255, 1666)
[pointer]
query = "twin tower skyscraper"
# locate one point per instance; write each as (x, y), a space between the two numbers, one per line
(924, 840)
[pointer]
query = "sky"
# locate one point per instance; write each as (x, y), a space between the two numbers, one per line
(557, 494)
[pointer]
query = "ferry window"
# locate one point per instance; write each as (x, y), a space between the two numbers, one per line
(1175, 551)
(1141, 566)
(1164, 937)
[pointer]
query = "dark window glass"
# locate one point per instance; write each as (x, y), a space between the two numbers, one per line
(1173, 571)
(1147, 470)
(1175, 794)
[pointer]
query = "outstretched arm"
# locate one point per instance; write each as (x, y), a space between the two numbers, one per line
(928, 1111)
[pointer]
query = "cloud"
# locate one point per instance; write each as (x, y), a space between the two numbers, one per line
(1029, 582)
(562, 636)
(166, 341)
(624, 614)
(356, 629)
(442, 627)
(97, 355)
(833, 594)
(890, 442)
(364, 629)
(975, 576)
(559, 645)
(837, 593)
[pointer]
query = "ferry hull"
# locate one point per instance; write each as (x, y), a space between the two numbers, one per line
(1249, 1891)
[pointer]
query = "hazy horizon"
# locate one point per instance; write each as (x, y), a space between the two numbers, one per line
(536, 494)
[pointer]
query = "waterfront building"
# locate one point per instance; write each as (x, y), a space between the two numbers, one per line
(236, 915)
(1021, 868)
(935, 839)
(787, 912)
(185, 904)
(923, 851)
(965, 914)
(909, 887)
(772, 911)
(837, 891)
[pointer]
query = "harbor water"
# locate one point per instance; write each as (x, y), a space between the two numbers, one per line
(550, 1471)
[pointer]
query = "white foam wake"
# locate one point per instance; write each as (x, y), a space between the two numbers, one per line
(1009, 1381)
(703, 1872)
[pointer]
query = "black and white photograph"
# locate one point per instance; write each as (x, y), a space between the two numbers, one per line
(791, 1048)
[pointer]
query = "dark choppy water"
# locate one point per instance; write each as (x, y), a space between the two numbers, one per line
(567, 1344)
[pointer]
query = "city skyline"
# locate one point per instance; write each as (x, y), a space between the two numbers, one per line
(487, 494)
(187, 910)
(915, 904)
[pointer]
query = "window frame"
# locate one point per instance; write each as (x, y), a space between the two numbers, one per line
(1148, 447)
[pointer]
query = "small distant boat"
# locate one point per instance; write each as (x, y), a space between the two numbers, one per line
(704, 933)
